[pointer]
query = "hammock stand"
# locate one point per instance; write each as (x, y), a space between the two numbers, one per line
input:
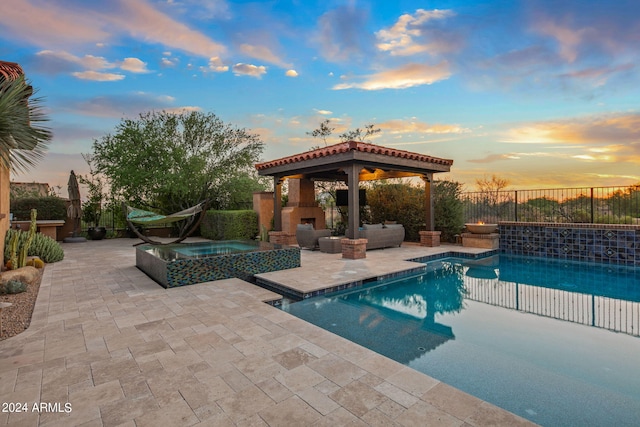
(142, 217)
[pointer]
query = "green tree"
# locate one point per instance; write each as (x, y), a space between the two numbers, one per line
(493, 202)
(323, 131)
(169, 162)
(539, 209)
(390, 200)
(448, 209)
(23, 141)
(404, 203)
(359, 134)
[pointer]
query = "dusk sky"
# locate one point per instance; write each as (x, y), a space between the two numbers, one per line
(542, 93)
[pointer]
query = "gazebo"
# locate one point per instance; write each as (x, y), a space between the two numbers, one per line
(353, 162)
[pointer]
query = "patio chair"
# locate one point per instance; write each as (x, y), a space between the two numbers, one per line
(307, 236)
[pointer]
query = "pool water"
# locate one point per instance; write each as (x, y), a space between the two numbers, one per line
(205, 249)
(215, 248)
(554, 342)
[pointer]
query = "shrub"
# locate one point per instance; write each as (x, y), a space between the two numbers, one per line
(405, 204)
(44, 247)
(13, 287)
(400, 202)
(49, 208)
(448, 209)
(229, 225)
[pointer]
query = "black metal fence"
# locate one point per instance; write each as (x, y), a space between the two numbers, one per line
(595, 205)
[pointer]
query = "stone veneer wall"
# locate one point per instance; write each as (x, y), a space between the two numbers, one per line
(604, 243)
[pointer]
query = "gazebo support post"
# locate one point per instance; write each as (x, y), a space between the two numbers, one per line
(353, 184)
(429, 237)
(277, 203)
(353, 247)
(428, 202)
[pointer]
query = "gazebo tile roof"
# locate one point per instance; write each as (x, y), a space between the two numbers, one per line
(344, 147)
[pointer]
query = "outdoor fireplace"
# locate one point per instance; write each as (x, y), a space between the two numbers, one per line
(302, 207)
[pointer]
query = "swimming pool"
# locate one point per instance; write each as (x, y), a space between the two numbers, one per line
(190, 263)
(555, 342)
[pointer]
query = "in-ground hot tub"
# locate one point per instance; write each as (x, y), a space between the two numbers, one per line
(189, 263)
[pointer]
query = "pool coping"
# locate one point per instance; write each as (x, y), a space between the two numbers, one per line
(290, 290)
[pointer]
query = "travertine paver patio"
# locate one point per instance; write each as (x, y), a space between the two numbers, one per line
(320, 270)
(121, 350)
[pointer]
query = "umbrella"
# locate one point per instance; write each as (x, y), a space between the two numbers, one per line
(74, 211)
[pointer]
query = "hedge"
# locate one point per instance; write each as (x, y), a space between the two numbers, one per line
(49, 208)
(229, 225)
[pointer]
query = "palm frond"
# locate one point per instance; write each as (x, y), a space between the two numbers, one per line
(23, 141)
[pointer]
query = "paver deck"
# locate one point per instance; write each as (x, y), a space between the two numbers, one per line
(118, 349)
(320, 271)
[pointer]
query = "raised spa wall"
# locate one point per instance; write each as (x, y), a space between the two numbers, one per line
(189, 271)
(603, 243)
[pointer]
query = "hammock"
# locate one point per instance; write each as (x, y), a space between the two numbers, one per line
(139, 216)
(142, 217)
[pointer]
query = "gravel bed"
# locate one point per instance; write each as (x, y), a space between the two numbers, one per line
(17, 318)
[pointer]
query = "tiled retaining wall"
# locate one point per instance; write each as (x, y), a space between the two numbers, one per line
(605, 243)
(241, 265)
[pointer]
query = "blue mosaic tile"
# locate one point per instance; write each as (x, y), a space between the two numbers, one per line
(587, 243)
(244, 266)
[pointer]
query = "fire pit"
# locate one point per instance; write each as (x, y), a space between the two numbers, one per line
(481, 235)
(482, 228)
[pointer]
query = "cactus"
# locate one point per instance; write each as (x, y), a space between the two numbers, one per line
(24, 249)
(13, 249)
(44, 247)
(12, 287)
(35, 262)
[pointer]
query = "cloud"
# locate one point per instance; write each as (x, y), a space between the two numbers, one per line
(98, 76)
(142, 21)
(134, 65)
(291, 73)
(323, 112)
(51, 62)
(168, 62)
(262, 53)
(249, 70)
(412, 34)
(52, 24)
(605, 129)
(598, 76)
(216, 65)
(406, 76)
(48, 24)
(203, 10)
(568, 39)
(491, 158)
(118, 106)
(343, 35)
(414, 126)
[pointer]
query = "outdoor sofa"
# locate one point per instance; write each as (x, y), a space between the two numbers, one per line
(307, 236)
(382, 235)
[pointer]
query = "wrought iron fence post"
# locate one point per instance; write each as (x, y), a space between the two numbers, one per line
(592, 210)
(516, 206)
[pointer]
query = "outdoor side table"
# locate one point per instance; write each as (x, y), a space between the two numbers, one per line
(330, 245)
